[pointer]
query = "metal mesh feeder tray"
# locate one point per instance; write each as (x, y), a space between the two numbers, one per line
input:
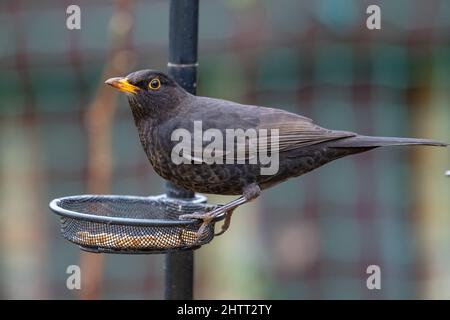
(130, 224)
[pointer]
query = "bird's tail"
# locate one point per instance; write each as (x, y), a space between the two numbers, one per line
(373, 142)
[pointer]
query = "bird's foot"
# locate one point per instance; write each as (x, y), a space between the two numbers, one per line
(207, 217)
(250, 192)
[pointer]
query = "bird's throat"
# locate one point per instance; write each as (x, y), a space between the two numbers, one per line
(140, 113)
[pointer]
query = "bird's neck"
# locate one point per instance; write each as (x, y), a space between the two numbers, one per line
(157, 111)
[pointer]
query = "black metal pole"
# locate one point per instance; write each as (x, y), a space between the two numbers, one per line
(182, 67)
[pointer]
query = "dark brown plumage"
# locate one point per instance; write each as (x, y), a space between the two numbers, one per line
(159, 106)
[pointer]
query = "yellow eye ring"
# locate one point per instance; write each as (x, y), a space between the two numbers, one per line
(154, 84)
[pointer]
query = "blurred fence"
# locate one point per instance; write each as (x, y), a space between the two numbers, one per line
(312, 237)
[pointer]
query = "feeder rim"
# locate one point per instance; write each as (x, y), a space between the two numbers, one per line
(54, 206)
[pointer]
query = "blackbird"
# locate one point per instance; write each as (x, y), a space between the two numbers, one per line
(160, 106)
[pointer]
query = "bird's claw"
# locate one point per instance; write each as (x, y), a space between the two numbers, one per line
(221, 232)
(226, 223)
(206, 217)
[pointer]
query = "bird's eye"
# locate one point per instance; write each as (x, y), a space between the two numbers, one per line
(154, 84)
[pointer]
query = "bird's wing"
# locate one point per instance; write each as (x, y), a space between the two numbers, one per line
(294, 131)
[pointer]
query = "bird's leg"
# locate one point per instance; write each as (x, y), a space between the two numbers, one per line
(250, 192)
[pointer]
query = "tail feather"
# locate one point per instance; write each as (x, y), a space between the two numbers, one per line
(368, 141)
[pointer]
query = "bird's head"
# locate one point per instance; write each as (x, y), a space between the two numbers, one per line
(150, 93)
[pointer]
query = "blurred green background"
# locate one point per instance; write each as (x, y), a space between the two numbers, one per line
(311, 237)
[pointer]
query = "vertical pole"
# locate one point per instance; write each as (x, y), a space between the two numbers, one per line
(182, 67)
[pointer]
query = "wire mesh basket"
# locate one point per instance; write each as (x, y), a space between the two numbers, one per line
(131, 224)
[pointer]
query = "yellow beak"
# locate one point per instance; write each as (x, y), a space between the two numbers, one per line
(122, 84)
